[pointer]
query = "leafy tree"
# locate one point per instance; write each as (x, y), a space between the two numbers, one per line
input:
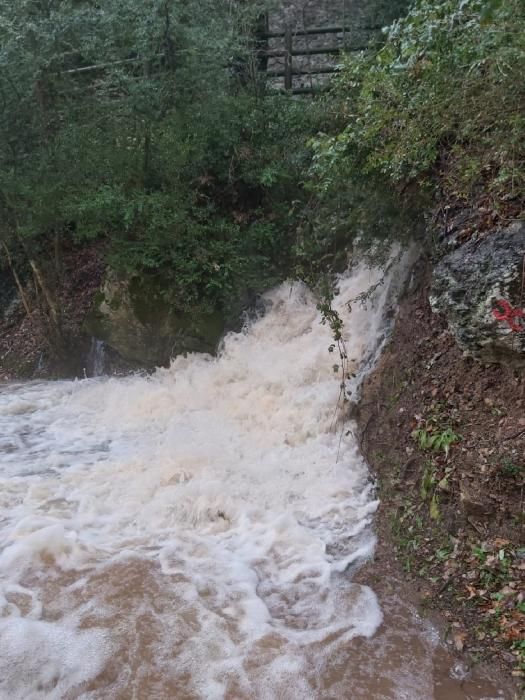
(438, 108)
(130, 122)
(146, 126)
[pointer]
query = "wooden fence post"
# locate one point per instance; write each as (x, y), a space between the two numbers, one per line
(288, 66)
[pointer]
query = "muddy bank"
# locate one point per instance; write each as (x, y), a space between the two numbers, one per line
(25, 348)
(25, 351)
(445, 437)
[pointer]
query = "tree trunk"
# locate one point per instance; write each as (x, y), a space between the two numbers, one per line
(59, 268)
(56, 339)
(50, 300)
(20, 288)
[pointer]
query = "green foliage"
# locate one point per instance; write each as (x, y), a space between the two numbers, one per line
(434, 507)
(144, 125)
(439, 108)
(428, 481)
(429, 488)
(131, 123)
(511, 469)
(437, 440)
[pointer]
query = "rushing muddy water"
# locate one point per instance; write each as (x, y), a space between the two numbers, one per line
(193, 534)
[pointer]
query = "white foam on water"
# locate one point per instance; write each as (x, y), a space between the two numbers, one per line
(39, 659)
(207, 513)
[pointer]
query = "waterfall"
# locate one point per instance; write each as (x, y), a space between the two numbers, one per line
(96, 361)
(191, 534)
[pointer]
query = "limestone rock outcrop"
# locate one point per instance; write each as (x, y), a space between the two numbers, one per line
(480, 288)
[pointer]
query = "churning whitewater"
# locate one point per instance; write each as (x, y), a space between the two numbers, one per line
(190, 534)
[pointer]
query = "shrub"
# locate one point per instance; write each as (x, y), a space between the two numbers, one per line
(439, 108)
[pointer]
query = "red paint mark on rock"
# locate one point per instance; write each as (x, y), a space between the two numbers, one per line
(515, 318)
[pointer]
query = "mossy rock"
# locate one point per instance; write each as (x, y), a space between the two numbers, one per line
(133, 318)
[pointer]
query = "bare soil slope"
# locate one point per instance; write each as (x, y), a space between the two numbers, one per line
(445, 436)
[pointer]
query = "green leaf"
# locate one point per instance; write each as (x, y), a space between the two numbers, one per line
(434, 508)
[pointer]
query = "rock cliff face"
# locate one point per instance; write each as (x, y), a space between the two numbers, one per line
(480, 288)
(133, 319)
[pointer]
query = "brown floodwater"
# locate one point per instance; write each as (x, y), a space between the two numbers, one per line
(129, 604)
(193, 534)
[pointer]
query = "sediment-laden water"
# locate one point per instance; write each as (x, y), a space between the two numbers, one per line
(192, 534)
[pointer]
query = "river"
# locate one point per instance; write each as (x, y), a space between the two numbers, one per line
(193, 534)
